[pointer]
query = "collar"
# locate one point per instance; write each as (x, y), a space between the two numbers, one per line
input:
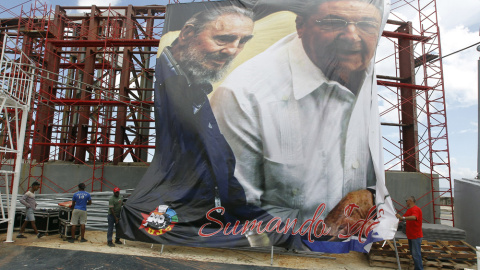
(197, 93)
(172, 64)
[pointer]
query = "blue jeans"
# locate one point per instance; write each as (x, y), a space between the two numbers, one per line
(111, 223)
(415, 249)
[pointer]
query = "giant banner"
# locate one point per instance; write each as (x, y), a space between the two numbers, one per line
(267, 129)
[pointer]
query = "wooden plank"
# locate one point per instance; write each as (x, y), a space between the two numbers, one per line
(456, 256)
(389, 253)
(435, 263)
(387, 259)
(436, 255)
(443, 264)
(467, 249)
(445, 247)
(468, 245)
(390, 244)
(455, 242)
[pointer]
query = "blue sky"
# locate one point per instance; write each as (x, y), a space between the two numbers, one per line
(459, 28)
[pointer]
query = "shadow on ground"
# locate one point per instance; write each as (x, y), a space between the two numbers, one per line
(20, 257)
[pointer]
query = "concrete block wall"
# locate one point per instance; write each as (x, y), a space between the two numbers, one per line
(467, 199)
(403, 184)
(64, 175)
(60, 176)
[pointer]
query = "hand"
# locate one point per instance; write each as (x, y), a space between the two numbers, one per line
(116, 220)
(398, 216)
(340, 222)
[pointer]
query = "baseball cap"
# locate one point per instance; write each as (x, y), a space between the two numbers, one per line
(116, 189)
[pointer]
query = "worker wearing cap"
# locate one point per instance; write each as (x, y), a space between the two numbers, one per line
(114, 208)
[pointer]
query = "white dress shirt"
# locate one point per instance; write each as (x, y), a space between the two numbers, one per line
(299, 139)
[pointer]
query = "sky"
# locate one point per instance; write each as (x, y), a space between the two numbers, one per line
(459, 28)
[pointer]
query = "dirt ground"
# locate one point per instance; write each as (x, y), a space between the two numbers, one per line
(97, 243)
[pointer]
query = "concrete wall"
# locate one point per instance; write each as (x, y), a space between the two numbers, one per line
(65, 176)
(403, 184)
(467, 199)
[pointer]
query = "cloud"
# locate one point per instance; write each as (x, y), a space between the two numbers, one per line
(457, 32)
(460, 69)
(459, 173)
(465, 12)
(391, 135)
(467, 131)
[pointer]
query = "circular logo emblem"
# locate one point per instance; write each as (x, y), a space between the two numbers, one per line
(159, 221)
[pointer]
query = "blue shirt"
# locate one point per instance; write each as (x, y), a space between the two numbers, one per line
(81, 199)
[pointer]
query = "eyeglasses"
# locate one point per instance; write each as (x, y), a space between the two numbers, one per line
(339, 24)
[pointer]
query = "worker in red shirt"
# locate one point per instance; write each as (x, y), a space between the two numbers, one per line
(413, 217)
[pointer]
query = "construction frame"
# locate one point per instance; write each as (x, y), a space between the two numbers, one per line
(93, 92)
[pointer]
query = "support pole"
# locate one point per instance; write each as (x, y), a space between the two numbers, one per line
(478, 127)
(271, 257)
(16, 176)
(396, 253)
(161, 251)
(408, 106)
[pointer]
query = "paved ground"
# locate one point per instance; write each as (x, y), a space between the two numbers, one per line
(21, 257)
(52, 252)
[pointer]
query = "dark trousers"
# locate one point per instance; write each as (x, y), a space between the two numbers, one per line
(111, 224)
(415, 249)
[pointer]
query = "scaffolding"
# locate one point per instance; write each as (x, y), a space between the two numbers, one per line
(94, 92)
(413, 99)
(16, 88)
(93, 103)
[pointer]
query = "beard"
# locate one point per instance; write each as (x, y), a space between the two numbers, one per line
(194, 64)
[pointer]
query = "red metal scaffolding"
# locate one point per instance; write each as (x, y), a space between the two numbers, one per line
(413, 100)
(94, 91)
(94, 94)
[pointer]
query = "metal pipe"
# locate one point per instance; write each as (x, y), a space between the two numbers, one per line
(96, 145)
(97, 212)
(16, 179)
(396, 253)
(271, 257)
(92, 102)
(478, 126)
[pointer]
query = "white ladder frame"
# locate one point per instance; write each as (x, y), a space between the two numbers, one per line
(16, 89)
